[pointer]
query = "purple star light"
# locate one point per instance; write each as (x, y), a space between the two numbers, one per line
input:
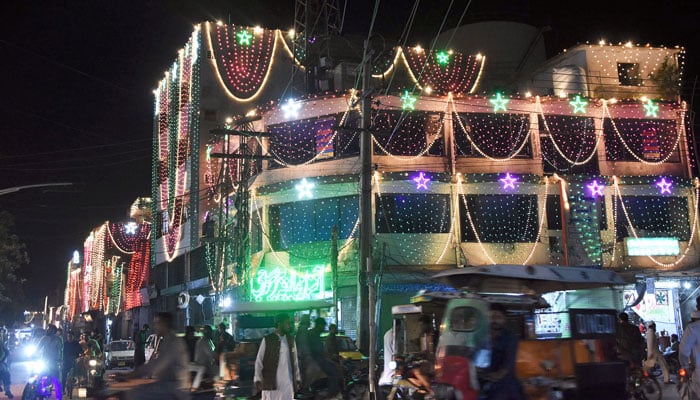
(664, 186)
(595, 188)
(509, 181)
(421, 181)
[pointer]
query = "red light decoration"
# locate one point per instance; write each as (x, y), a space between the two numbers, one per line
(459, 75)
(242, 67)
(138, 274)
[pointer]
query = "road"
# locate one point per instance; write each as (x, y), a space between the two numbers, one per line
(20, 374)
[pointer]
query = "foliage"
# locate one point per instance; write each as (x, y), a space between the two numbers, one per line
(12, 256)
(667, 78)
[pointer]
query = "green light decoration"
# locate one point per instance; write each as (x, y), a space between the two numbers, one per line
(579, 104)
(282, 284)
(442, 57)
(244, 38)
(499, 102)
(652, 246)
(409, 102)
(651, 109)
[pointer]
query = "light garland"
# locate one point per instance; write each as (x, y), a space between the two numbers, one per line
(594, 150)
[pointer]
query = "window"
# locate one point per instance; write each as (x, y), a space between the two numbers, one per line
(648, 139)
(629, 75)
(312, 220)
(465, 319)
(412, 213)
(497, 135)
(408, 134)
(654, 216)
(500, 218)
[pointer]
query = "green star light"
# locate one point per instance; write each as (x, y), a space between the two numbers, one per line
(579, 104)
(244, 37)
(409, 102)
(651, 109)
(499, 103)
(443, 58)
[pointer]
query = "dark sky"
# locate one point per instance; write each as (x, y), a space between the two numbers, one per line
(76, 79)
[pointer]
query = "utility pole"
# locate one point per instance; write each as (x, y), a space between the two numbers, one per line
(365, 278)
(334, 270)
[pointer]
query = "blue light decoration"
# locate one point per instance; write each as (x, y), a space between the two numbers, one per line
(579, 104)
(409, 102)
(131, 228)
(652, 246)
(76, 257)
(499, 102)
(595, 189)
(304, 189)
(651, 109)
(291, 108)
(664, 186)
(284, 284)
(508, 182)
(421, 181)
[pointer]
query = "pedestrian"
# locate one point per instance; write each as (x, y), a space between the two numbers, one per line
(332, 348)
(302, 342)
(654, 356)
(170, 370)
(224, 340)
(386, 379)
(71, 351)
(498, 380)
(190, 341)
(690, 347)
(629, 341)
(204, 356)
(276, 366)
(318, 353)
(5, 377)
(140, 337)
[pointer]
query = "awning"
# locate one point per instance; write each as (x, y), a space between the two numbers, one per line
(530, 279)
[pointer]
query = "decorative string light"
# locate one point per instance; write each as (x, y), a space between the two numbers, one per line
(651, 109)
(508, 182)
(595, 189)
(409, 102)
(304, 189)
(664, 186)
(244, 37)
(579, 104)
(291, 109)
(442, 57)
(499, 102)
(421, 181)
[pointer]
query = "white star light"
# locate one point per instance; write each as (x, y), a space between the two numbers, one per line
(304, 189)
(130, 228)
(291, 109)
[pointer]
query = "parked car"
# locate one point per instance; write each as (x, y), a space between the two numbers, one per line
(346, 347)
(120, 353)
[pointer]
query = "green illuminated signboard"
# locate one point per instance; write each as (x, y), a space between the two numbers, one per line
(655, 246)
(285, 284)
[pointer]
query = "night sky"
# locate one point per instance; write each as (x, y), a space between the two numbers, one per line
(77, 79)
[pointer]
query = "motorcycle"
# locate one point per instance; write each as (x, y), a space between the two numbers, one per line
(88, 373)
(42, 382)
(354, 385)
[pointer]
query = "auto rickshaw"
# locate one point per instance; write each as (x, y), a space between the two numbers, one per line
(549, 366)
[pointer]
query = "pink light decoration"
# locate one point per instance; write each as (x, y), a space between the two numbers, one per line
(459, 75)
(664, 186)
(509, 181)
(421, 181)
(595, 189)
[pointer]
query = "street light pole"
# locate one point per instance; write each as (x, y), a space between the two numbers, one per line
(18, 188)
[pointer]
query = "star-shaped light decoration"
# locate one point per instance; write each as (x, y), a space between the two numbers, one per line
(595, 189)
(651, 109)
(664, 186)
(442, 57)
(509, 181)
(304, 189)
(244, 38)
(579, 104)
(421, 181)
(499, 102)
(130, 228)
(291, 108)
(409, 102)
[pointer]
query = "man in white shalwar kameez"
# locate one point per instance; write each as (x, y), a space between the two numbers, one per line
(276, 366)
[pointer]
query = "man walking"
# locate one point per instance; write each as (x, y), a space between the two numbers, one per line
(654, 356)
(276, 366)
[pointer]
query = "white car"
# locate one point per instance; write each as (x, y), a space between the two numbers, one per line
(120, 353)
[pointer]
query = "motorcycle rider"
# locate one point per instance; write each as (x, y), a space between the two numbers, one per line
(51, 350)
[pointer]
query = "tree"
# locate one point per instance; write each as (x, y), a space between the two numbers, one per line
(667, 78)
(12, 256)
